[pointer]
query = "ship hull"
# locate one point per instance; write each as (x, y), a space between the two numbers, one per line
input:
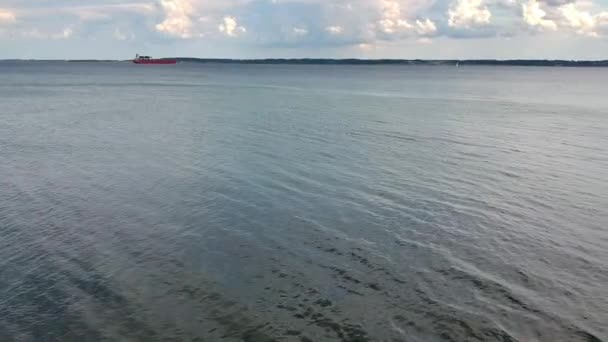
(155, 61)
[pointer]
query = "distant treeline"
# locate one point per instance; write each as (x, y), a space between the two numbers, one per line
(353, 61)
(518, 62)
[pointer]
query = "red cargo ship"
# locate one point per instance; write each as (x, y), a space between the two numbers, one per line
(149, 60)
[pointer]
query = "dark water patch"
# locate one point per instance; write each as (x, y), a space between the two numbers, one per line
(489, 287)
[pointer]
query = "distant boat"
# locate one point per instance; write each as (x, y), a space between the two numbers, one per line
(149, 60)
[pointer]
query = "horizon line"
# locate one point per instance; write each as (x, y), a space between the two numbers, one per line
(353, 61)
(316, 58)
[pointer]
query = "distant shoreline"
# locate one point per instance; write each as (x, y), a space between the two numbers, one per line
(324, 61)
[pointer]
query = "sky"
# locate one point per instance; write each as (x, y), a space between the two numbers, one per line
(428, 29)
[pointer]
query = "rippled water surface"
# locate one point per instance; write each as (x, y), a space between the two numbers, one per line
(302, 203)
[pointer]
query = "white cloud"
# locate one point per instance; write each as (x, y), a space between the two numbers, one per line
(420, 27)
(425, 27)
(392, 22)
(230, 27)
(565, 15)
(178, 18)
(309, 24)
(7, 17)
(391, 26)
(535, 16)
(583, 21)
(334, 29)
(468, 13)
(298, 31)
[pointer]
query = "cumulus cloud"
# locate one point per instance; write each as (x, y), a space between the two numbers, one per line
(7, 17)
(393, 24)
(565, 15)
(334, 29)
(425, 27)
(391, 20)
(309, 24)
(420, 27)
(534, 16)
(583, 21)
(468, 13)
(178, 18)
(230, 27)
